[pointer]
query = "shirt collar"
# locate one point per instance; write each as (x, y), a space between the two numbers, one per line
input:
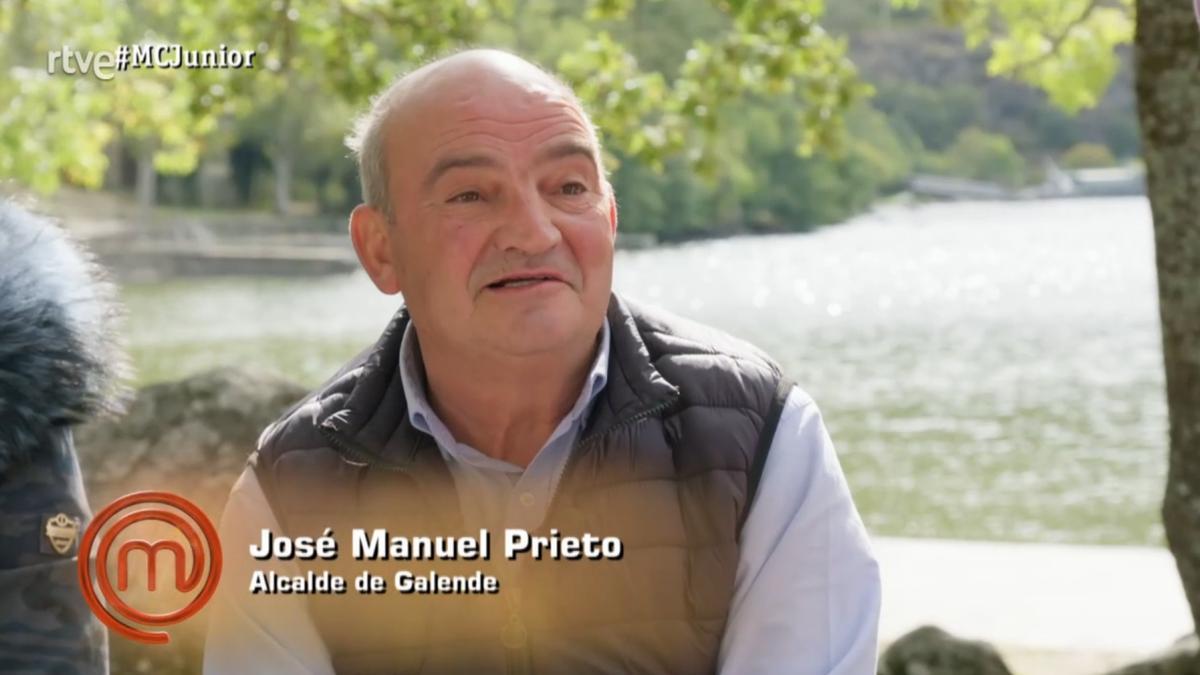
(421, 414)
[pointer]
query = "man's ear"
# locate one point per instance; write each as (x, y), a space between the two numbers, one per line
(372, 238)
(612, 210)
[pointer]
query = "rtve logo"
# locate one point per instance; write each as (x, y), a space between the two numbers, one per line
(196, 568)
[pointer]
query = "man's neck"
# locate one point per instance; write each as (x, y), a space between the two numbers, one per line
(505, 407)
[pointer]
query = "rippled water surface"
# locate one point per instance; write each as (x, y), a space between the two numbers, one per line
(986, 370)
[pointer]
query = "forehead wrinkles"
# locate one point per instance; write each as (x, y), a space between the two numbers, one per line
(517, 119)
(510, 132)
(490, 114)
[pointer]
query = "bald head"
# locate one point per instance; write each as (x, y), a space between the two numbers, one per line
(474, 73)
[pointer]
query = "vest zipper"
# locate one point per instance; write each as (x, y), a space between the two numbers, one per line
(358, 454)
(514, 635)
(590, 438)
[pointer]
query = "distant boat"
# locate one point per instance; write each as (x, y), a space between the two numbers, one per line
(953, 188)
(1113, 182)
(1109, 182)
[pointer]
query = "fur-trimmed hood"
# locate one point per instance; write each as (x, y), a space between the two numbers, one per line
(60, 362)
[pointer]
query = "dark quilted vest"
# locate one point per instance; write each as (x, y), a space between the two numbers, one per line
(668, 461)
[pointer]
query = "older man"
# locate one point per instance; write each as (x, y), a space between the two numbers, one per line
(515, 390)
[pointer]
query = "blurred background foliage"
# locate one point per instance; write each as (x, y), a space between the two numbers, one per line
(718, 117)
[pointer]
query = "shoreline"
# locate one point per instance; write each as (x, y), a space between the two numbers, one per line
(1054, 608)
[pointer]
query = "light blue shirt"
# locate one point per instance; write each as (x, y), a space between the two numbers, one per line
(493, 493)
(807, 591)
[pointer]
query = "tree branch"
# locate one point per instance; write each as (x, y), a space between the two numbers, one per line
(1057, 41)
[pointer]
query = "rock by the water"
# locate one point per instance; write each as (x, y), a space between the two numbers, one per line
(929, 650)
(190, 436)
(1182, 658)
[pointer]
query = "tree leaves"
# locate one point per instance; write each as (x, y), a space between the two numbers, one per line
(346, 50)
(1065, 47)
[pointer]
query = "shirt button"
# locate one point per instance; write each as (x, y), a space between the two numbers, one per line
(527, 499)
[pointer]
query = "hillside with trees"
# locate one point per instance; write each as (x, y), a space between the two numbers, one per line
(713, 126)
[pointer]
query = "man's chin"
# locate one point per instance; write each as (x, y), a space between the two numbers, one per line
(534, 334)
(530, 344)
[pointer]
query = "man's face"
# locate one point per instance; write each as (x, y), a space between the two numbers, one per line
(493, 181)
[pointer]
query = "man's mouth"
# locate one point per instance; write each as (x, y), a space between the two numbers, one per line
(520, 281)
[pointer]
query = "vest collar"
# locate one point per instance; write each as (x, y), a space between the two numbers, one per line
(364, 414)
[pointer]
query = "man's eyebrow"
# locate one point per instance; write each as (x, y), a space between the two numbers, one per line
(568, 149)
(557, 151)
(457, 162)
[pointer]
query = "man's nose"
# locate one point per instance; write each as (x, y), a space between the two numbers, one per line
(527, 225)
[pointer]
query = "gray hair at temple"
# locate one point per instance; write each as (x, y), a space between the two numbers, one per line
(368, 138)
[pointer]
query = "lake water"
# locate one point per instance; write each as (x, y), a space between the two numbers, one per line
(986, 370)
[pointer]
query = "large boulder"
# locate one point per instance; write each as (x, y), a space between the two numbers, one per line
(929, 650)
(190, 436)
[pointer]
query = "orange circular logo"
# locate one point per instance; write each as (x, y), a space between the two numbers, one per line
(95, 550)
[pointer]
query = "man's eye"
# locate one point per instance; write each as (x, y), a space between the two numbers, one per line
(466, 197)
(574, 188)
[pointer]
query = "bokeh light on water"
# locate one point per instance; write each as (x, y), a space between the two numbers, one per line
(986, 370)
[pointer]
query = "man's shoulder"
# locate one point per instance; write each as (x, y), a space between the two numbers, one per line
(710, 367)
(671, 336)
(298, 427)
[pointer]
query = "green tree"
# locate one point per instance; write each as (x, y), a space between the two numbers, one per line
(936, 115)
(985, 156)
(1066, 47)
(345, 50)
(1087, 155)
(57, 126)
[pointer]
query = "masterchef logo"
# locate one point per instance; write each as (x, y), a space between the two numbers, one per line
(146, 538)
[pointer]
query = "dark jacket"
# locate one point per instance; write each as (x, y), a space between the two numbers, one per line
(58, 367)
(668, 461)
